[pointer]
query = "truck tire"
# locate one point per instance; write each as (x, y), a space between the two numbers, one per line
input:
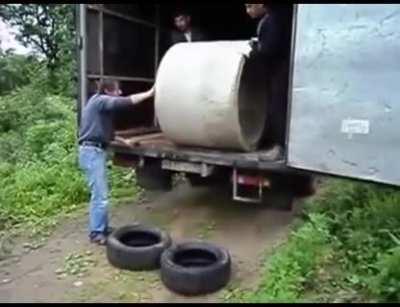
(302, 185)
(195, 268)
(136, 247)
(197, 181)
(152, 177)
(279, 199)
(219, 178)
(285, 188)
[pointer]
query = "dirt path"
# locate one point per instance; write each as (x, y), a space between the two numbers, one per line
(246, 230)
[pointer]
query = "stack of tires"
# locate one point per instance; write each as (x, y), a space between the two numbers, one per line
(191, 268)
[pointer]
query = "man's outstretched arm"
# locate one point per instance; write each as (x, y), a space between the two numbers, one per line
(113, 103)
(140, 97)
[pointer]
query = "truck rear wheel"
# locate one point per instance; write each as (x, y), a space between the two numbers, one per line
(279, 199)
(219, 178)
(303, 185)
(286, 188)
(152, 177)
(197, 181)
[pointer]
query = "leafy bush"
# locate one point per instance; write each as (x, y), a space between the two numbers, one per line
(386, 284)
(39, 174)
(288, 271)
(357, 227)
(365, 218)
(15, 71)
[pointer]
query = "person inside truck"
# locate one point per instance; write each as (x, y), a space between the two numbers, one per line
(184, 31)
(96, 132)
(273, 45)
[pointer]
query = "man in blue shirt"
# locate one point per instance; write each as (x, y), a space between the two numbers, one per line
(96, 132)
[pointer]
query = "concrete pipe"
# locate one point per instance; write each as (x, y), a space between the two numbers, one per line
(212, 94)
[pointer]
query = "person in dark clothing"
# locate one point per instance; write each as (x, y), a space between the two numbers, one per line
(184, 31)
(96, 132)
(273, 45)
(273, 30)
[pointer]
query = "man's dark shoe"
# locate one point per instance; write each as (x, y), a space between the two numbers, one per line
(99, 239)
(108, 231)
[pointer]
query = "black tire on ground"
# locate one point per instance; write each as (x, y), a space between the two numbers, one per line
(137, 247)
(195, 268)
(152, 177)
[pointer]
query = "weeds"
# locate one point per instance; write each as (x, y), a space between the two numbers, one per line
(76, 264)
(39, 174)
(347, 250)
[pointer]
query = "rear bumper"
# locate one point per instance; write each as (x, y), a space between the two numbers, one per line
(130, 156)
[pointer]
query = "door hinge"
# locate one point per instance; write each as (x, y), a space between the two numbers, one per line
(79, 42)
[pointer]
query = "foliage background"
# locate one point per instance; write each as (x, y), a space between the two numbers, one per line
(39, 175)
(346, 249)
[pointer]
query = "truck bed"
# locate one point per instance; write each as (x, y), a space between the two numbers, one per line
(152, 143)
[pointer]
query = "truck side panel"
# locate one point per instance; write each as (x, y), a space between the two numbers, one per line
(345, 93)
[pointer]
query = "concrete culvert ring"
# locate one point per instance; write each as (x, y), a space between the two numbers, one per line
(195, 268)
(252, 102)
(221, 95)
(137, 247)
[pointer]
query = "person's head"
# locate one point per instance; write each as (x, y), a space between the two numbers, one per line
(182, 21)
(256, 10)
(109, 87)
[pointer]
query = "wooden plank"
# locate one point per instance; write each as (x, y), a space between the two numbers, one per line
(136, 131)
(157, 146)
(136, 140)
(156, 143)
(229, 160)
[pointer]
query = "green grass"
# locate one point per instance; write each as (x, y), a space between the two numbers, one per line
(347, 249)
(288, 270)
(39, 175)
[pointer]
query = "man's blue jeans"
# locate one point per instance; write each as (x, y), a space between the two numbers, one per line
(92, 160)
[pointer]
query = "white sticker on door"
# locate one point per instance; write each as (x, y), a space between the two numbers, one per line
(355, 126)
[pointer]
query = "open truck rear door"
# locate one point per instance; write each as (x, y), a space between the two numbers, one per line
(345, 91)
(121, 42)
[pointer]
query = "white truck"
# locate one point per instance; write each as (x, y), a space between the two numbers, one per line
(342, 100)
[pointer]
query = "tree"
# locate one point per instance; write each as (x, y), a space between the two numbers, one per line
(14, 71)
(48, 28)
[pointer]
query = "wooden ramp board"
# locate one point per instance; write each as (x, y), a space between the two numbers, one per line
(136, 141)
(156, 145)
(137, 131)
